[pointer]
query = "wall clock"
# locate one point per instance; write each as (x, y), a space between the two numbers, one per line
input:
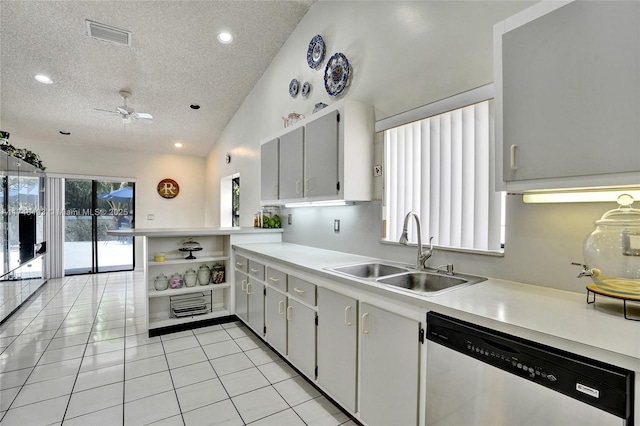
(168, 188)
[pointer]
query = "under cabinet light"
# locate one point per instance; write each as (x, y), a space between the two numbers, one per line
(43, 79)
(584, 196)
(319, 203)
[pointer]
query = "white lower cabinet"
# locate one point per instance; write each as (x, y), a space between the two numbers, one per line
(366, 358)
(389, 367)
(301, 336)
(240, 287)
(275, 306)
(337, 346)
(255, 306)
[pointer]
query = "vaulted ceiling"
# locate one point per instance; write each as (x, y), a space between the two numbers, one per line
(174, 60)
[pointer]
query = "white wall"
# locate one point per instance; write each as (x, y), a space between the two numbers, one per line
(403, 55)
(186, 210)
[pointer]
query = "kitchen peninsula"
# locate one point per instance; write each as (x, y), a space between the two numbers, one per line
(166, 258)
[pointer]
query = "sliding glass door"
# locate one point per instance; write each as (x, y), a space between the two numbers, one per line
(93, 207)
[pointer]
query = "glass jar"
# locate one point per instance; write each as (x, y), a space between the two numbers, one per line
(612, 250)
(204, 275)
(271, 217)
(159, 256)
(190, 278)
(161, 282)
(175, 281)
(217, 273)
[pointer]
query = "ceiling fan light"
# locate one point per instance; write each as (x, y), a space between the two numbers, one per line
(43, 79)
(225, 37)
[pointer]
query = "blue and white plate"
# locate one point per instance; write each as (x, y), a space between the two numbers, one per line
(315, 52)
(294, 86)
(306, 88)
(336, 74)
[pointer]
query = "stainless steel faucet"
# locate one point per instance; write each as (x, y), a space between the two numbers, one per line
(423, 255)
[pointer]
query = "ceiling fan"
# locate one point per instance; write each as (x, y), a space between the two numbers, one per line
(127, 113)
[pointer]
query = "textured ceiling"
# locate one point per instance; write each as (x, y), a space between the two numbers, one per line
(175, 60)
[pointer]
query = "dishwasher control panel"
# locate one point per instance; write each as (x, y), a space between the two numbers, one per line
(596, 383)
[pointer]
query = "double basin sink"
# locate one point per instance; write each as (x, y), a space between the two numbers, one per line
(424, 282)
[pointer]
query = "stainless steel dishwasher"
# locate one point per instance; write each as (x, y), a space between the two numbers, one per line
(478, 376)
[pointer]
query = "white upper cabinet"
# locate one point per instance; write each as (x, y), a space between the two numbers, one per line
(568, 95)
(270, 160)
(328, 156)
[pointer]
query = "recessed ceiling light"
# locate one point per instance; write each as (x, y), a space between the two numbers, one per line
(177, 145)
(194, 106)
(43, 79)
(62, 132)
(225, 37)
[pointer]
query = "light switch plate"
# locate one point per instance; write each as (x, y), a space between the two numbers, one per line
(336, 225)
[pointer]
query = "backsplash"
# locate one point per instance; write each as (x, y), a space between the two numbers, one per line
(541, 240)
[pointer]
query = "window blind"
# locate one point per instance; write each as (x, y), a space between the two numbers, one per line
(439, 168)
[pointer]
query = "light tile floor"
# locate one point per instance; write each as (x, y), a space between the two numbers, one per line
(78, 354)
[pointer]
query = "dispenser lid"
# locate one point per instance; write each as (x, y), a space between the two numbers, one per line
(623, 215)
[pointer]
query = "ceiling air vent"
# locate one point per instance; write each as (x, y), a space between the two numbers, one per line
(107, 33)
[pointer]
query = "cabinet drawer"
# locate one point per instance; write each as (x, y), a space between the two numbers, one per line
(242, 264)
(256, 270)
(302, 290)
(277, 279)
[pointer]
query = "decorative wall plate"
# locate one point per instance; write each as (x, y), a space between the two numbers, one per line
(294, 86)
(315, 52)
(306, 88)
(336, 74)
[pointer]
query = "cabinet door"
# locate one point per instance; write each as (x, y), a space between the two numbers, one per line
(570, 92)
(301, 324)
(241, 295)
(290, 182)
(389, 359)
(275, 305)
(255, 307)
(337, 346)
(269, 160)
(321, 156)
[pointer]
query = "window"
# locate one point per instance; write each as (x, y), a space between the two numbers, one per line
(440, 168)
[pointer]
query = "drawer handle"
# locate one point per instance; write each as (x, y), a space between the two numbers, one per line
(289, 313)
(281, 307)
(244, 285)
(347, 316)
(512, 152)
(254, 271)
(249, 288)
(299, 290)
(363, 328)
(274, 279)
(240, 264)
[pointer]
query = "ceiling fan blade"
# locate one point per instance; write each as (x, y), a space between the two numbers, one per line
(106, 110)
(143, 116)
(124, 110)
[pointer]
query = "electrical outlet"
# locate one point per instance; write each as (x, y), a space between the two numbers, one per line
(150, 217)
(377, 170)
(336, 225)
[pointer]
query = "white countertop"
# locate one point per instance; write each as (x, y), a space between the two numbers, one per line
(554, 317)
(181, 232)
